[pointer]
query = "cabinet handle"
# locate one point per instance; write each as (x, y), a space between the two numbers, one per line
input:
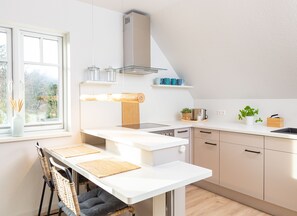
(208, 143)
(183, 131)
(256, 152)
(207, 132)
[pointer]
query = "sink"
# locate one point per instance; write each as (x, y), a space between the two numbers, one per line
(292, 131)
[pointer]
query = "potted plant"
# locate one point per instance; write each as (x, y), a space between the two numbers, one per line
(249, 114)
(186, 114)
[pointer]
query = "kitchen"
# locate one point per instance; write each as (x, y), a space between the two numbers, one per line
(231, 40)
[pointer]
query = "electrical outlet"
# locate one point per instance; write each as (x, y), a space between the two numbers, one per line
(221, 112)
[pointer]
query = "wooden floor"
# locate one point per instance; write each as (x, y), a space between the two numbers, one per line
(201, 202)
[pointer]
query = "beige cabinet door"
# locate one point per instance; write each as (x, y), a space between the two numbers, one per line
(241, 169)
(281, 178)
(206, 154)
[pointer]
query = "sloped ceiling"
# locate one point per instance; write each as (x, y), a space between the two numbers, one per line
(231, 48)
(147, 6)
(226, 48)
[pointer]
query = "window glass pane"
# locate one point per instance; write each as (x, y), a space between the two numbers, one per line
(31, 49)
(3, 46)
(41, 94)
(50, 51)
(3, 94)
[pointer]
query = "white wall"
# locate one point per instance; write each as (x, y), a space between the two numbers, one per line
(20, 175)
(286, 108)
(160, 104)
(230, 48)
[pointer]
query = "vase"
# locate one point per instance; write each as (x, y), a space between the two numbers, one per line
(249, 120)
(17, 125)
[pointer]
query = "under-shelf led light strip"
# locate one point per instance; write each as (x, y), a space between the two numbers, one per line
(121, 97)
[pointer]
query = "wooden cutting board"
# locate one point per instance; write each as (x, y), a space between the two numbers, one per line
(130, 113)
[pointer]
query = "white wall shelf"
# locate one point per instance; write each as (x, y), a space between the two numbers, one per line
(172, 86)
(91, 82)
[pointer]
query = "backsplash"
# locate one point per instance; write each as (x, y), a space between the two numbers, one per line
(286, 108)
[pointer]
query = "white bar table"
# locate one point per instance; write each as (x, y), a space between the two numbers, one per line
(140, 184)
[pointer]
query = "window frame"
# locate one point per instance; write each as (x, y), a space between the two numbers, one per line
(17, 76)
(6, 128)
(59, 65)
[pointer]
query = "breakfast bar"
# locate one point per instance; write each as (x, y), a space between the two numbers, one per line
(140, 184)
(151, 149)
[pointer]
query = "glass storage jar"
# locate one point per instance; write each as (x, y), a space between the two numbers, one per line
(111, 74)
(93, 73)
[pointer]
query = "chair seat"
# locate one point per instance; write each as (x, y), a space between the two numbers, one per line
(96, 202)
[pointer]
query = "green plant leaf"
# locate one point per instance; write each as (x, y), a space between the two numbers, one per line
(239, 117)
(186, 110)
(259, 120)
(248, 111)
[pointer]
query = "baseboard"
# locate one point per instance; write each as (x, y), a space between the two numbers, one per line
(246, 200)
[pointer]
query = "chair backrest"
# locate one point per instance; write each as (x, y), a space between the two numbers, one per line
(65, 187)
(43, 162)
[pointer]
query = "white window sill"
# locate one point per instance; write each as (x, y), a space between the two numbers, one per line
(34, 136)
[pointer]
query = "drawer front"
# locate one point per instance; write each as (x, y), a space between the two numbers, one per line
(241, 169)
(206, 134)
(182, 133)
(281, 144)
(242, 139)
(206, 154)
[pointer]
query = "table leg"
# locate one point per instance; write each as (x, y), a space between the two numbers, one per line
(179, 203)
(159, 205)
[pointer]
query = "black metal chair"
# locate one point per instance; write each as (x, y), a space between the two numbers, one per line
(46, 177)
(96, 202)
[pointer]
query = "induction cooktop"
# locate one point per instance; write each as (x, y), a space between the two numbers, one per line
(144, 125)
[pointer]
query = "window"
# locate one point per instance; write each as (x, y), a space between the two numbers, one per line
(5, 76)
(42, 66)
(37, 78)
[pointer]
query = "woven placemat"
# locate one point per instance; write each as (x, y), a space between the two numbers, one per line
(107, 167)
(75, 151)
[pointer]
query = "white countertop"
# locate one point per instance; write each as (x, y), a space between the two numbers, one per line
(136, 138)
(140, 184)
(255, 129)
(152, 142)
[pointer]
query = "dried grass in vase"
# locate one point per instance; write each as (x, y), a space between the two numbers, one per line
(16, 105)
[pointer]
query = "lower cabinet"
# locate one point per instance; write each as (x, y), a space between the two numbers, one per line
(242, 164)
(207, 151)
(207, 155)
(281, 172)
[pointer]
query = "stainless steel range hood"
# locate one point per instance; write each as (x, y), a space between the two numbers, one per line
(137, 44)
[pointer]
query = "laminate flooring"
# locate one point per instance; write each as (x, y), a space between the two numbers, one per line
(200, 202)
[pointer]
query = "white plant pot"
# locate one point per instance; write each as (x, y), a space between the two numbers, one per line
(249, 120)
